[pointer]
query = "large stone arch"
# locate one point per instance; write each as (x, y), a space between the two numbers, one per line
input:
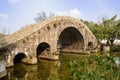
(70, 39)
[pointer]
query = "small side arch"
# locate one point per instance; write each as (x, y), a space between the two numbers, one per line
(43, 49)
(19, 57)
(90, 45)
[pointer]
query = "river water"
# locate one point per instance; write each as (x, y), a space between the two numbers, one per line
(44, 69)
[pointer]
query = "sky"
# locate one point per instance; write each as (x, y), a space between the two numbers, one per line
(15, 14)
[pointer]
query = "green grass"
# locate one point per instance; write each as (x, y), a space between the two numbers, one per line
(102, 67)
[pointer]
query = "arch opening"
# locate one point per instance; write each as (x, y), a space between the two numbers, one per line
(90, 45)
(19, 58)
(71, 39)
(43, 49)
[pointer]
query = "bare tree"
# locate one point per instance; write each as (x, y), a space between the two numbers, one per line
(43, 16)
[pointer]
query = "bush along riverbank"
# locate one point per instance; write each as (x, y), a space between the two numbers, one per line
(115, 48)
(96, 67)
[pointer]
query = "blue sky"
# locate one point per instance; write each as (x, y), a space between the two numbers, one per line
(15, 14)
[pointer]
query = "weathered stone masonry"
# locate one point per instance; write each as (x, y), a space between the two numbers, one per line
(67, 32)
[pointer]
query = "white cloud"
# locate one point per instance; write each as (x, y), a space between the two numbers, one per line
(73, 12)
(3, 17)
(14, 1)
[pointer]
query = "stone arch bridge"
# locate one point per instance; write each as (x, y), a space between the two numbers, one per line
(45, 39)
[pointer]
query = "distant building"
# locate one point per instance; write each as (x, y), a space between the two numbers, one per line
(116, 42)
(104, 41)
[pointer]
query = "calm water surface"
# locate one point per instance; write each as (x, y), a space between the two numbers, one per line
(45, 69)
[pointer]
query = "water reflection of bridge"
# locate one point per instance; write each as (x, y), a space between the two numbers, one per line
(45, 69)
